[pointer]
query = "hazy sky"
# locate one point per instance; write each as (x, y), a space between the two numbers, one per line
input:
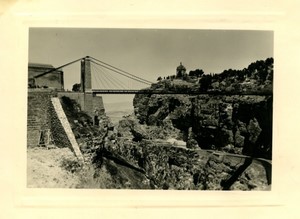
(149, 53)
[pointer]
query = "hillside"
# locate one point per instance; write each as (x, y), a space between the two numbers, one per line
(257, 78)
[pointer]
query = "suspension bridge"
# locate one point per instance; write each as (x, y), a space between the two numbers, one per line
(98, 77)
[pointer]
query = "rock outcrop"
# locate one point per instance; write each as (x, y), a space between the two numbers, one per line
(236, 124)
(168, 165)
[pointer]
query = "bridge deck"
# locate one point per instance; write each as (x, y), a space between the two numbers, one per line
(111, 91)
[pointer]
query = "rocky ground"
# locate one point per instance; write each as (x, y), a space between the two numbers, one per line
(58, 168)
(172, 166)
(45, 168)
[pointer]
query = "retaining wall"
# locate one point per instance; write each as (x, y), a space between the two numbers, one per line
(38, 116)
(42, 118)
(87, 101)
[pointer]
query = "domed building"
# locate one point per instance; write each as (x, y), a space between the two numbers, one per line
(180, 70)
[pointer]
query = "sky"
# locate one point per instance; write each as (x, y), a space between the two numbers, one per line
(149, 53)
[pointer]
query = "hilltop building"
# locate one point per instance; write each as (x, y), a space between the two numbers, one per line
(53, 80)
(180, 70)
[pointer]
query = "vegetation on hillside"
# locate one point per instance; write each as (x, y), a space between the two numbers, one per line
(257, 77)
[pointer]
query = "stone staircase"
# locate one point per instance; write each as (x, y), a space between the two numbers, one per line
(67, 128)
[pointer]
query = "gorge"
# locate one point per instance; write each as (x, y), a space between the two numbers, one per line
(222, 141)
(218, 140)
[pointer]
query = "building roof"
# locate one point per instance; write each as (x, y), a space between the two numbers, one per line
(181, 67)
(39, 65)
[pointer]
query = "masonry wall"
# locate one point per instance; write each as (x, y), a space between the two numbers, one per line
(98, 104)
(93, 104)
(87, 101)
(52, 80)
(77, 96)
(41, 116)
(88, 104)
(37, 114)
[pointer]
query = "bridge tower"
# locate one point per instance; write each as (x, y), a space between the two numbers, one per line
(86, 76)
(92, 104)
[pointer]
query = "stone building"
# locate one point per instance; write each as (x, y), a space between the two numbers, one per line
(53, 80)
(180, 70)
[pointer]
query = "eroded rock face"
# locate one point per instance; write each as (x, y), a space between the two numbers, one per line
(182, 167)
(134, 152)
(170, 167)
(243, 122)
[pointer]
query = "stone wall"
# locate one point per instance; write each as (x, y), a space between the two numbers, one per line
(88, 104)
(38, 116)
(52, 80)
(77, 96)
(87, 101)
(98, 104)
(42, 118)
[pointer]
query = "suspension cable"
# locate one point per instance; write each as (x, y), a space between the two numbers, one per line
(55, 69)
(106, 78)
(148, 83)
(114, 80)
(94, 76)
(122, 70)
(112, 68)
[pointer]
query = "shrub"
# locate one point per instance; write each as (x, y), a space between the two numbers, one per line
(71, 165)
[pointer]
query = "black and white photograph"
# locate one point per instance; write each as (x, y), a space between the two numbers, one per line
(150, 109)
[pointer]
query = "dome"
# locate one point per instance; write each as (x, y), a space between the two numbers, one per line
(180, 67)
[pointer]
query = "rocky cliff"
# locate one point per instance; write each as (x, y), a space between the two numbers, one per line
(170, 166)
(213, 141)
(239, 124)
(237, 120)
(229, 118)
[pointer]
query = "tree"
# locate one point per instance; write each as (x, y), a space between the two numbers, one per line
(197, 73)
(269, 61)
(76, 87)
(159, 78)
(205, 82)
